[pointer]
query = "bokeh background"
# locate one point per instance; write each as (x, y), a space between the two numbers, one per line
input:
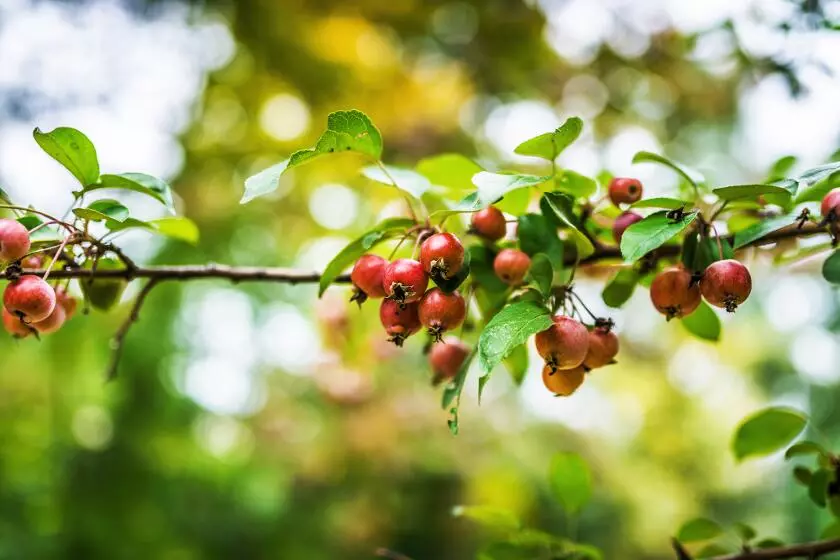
(257, 421)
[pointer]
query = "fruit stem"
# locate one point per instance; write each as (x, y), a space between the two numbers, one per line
(580, 301)
(394, 183)
(56, 257)
(38, 212)
(717, 239)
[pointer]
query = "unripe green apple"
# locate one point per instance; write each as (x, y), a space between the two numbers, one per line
(103, 293)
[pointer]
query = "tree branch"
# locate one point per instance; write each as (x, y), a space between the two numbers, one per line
(119, 338)
(297, 276)
(805, 550)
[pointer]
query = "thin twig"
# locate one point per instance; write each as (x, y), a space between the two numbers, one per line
(56, 257)
(119, 338)
(394, 183)
(296, 276)
(39, 213)
(803, 550)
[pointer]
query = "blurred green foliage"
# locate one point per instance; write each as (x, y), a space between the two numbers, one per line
(355, 454)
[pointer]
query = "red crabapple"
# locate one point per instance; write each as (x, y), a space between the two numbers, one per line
(564, 344)
(442, 255)
(405, 281)
(603, 347)
(489, 223)
(622, 222)
(14, 240)
(400, 321)
(52, 323)
(562, 382)
(29, 298)
(66, 301)
(726, 284)
(831, 202)
(511, 266)
(14, 326)
(440, 312)
(673, 293)
(367, 278)
(625, 190)
(446, 359)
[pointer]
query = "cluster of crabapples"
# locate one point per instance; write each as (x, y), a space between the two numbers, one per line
(568, 347)
(31, 306)
(676, 292)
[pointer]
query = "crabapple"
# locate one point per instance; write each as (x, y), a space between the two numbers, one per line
(511, 266)
(442, 255)
(66, 301)
(405, 281)
(52, 323)
(29, 298)
(14, 240)
(489, 223)
(367, 278)
(726, 284)
(603, 347)
(400, 321)
(103, 293)
(564, 344)
(446, 359)
(831, 202)
(14, 326)
(439, 311)
(625, 190)
(622, 222)
(673, 294)
(563, 382)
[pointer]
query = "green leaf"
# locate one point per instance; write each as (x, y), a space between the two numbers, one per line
(358, 247)
(406, 180)
(452, 171)
(176, 227)
(264, 182)
(575, 184)
(517, 363)
(692, 176)
(508, 329)
(137, 182)
(570, 481)
(767, 431)
(734, 192)
(769, 543)
(490, 517)
(451, 398)
(832, 531)
(780, 168)
(762, 228)
(704, 251)
(551, 144)
(346, 131)
(810, 189)
(662, 202)
(700, 529)
(515, 202)
(744, 531)
(805, 448)
(620, 287)
(4, 196)
(561, 207)
(818, 488)
(650, 233)
(831, 268)
(537, 235)
(541, 273)
(481, 264)
(101, 210)
(493, 186)
(703, 323)
(802, 475)
(73, 150)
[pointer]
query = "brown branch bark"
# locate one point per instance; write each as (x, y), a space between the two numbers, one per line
(296, 276)
(805, 550)
(119, 338)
